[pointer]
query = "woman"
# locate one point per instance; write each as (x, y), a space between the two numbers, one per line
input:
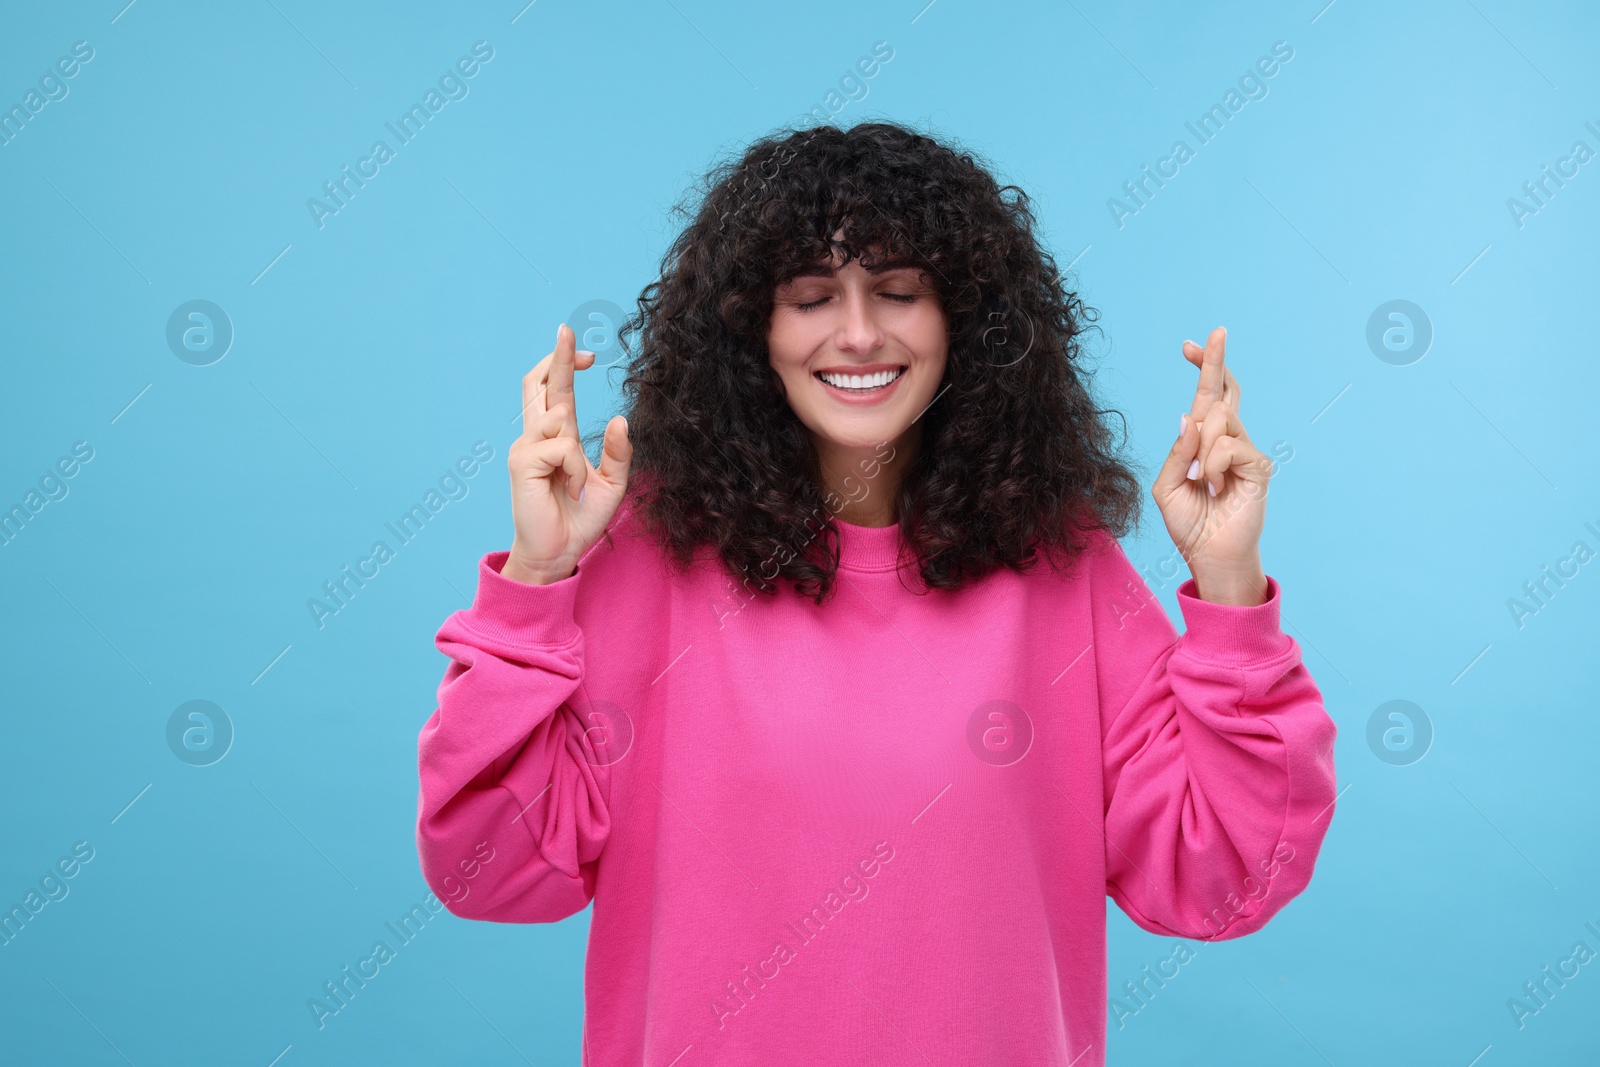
(845, 770)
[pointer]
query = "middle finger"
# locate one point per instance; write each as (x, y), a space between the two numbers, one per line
(1231, 392)
(562, 365)
(1212, 373)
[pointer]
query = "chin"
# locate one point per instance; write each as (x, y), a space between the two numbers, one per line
(861, 437)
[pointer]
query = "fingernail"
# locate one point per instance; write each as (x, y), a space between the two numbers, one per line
(585, 489)
(582, 352)
(558, 331)
(1194, 470)
(1209, 488)
(1183, 423)
(1188, 342)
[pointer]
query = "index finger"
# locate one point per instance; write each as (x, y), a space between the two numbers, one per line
(1210, 386)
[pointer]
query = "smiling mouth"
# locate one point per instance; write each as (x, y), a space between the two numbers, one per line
(861, 383)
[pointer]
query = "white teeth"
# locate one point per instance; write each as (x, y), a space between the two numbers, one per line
(862, 382)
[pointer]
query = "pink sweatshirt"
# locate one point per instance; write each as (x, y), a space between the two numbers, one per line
(878, 831)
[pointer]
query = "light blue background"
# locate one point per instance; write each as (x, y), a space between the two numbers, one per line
(376, 350)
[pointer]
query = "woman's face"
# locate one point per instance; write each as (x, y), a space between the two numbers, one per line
(861, 353)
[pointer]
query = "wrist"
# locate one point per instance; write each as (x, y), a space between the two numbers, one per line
(1242, 586)
(533, 574)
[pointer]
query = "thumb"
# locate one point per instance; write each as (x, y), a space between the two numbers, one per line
(1174, 472)
(616, 453)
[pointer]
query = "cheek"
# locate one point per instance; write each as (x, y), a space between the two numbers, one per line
(928, 336)
(780, 346)
(790, 341)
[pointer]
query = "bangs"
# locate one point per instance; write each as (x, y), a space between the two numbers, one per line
(871, 239)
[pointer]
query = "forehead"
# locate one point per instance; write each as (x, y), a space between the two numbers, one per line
(832, 267)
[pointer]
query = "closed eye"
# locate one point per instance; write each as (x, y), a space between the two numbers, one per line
(901, 298)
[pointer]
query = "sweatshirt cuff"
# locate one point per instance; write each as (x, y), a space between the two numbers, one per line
(523, 615)
(1232, 633)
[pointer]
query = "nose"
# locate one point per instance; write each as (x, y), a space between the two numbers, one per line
(858, 326)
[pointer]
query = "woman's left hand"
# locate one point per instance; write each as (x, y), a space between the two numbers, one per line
(1212, 490)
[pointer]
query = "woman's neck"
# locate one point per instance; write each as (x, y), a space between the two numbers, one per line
(866, 480)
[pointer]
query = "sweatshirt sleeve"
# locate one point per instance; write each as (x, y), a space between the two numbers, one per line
(511, 808)
(1218, 757)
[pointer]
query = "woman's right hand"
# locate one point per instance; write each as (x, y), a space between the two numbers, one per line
(549, 472)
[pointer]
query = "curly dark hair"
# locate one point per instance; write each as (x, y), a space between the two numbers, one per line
(1014, 454)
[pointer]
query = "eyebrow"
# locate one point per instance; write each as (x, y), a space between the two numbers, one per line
(819, 270)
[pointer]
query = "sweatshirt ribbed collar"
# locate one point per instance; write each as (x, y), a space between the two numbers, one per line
(869, 548)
